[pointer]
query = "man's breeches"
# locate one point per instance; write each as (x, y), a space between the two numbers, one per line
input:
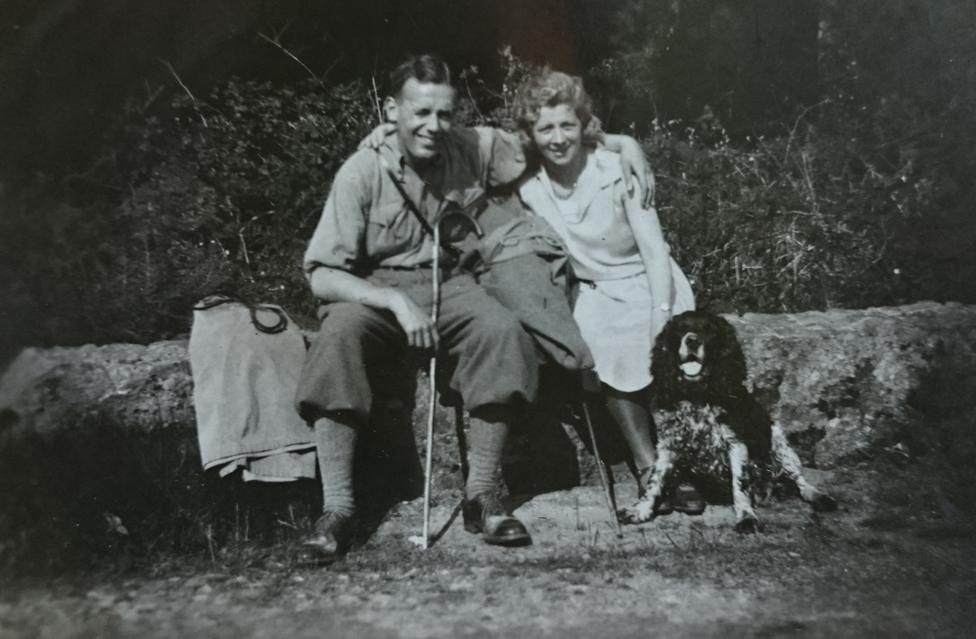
(489, 358)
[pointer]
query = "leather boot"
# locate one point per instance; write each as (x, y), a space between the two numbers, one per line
(688, 500)
(330, 539)
(486, 514)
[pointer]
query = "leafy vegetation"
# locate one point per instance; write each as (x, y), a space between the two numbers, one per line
(207, 195)
(850, 189)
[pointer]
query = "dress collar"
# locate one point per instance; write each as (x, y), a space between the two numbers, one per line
(601, 171)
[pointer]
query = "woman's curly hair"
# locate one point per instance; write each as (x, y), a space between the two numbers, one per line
(548, 88)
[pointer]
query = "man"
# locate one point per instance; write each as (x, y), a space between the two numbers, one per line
(370, 260)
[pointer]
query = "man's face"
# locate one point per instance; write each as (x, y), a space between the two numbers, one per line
(422, 115)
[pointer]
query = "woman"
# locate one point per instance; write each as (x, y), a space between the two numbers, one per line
(629, 286)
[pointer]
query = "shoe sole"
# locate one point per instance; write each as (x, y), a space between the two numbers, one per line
(316, 563)
(509, 541)
(662, 510)
(310, 559)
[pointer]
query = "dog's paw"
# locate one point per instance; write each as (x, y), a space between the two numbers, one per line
(638, 513)
(748, 525)
(822, 503)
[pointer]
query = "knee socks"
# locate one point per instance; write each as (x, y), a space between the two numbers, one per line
(335, 444)
(486, 440)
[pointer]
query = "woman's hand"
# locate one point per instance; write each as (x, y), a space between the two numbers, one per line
(377, 136)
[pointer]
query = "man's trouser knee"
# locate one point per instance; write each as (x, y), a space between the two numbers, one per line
(337, 375)
(489, 359)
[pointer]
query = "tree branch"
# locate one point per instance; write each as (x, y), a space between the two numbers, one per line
(186, 89)
(275, 42)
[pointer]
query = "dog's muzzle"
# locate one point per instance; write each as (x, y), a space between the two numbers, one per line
(691, 354)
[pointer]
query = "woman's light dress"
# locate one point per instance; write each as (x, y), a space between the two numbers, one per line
(614, 305)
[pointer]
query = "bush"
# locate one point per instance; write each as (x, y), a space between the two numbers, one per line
(840, 206)
(807, 220)
(216, 194)
(847, 181)
(775, 225)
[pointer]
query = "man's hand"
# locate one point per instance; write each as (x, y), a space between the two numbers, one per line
(337, 285)
(635, 165)
(377, 136)
(418, 325)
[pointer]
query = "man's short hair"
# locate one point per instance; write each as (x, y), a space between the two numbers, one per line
(422, 68)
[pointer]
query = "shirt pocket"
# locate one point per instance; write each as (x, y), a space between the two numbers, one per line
(390, 219)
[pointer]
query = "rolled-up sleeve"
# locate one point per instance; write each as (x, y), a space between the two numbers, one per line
(338, 239)
(501, 155)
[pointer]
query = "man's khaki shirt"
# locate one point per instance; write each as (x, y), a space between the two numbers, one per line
(366, 223)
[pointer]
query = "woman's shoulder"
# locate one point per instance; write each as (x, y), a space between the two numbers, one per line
(607, 164)
(531, 182)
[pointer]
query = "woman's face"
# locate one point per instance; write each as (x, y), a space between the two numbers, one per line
(558, 134)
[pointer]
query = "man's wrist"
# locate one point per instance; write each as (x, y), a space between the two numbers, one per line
(391, 299)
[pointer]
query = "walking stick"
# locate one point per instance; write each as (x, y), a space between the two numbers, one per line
(600, 464)
(424, 540)
(434, 230)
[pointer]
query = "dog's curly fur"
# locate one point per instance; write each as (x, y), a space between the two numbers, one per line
(709, 426)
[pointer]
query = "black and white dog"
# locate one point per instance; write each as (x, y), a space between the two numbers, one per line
(710, 428)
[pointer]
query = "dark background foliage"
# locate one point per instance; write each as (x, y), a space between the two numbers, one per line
(810, 153)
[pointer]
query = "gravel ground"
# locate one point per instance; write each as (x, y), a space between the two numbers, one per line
(897, 560)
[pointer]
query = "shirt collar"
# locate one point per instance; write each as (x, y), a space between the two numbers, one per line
(390, 149)
(395, 163)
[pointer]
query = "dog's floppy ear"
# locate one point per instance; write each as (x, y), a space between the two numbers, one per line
(729, 362)
(748, 418)
(664, 364)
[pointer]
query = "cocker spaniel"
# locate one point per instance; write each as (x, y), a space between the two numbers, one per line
(710, 428)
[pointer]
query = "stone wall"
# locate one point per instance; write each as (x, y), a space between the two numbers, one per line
(843, 383)
(851, 382)
(98, 452)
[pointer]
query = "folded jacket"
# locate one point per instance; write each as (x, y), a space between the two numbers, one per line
(244, 383)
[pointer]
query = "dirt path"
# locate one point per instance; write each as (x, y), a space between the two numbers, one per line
(898, 560)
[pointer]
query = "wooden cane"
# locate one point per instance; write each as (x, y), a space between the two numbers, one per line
(589, 379)
(424, 540)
